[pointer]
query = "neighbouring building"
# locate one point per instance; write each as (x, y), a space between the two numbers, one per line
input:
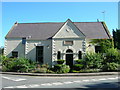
(47, 42)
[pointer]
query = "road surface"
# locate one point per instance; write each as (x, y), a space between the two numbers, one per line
(19, 81)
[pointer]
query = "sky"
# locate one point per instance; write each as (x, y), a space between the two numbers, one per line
(32, 12)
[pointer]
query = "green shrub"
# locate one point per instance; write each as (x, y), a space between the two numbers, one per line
(7, 63)
(110, 67)
(74, 71)
(17, 65)
(41, 70)
(86, 70)
(59, 68)
(65, 68)
(89, 70)
(105, 44)
(50, 71)
(80, 61)
(5, 60)
(24, 65)
(77, 67)
(60, 61)
(112, 55)
(118, 58)
(93, 60)
(111, 61)
(45, 65)
(4, 68)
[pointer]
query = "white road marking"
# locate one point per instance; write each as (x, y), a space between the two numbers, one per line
(67, 82)
(94, 80)
(111, 78)
(33, 85)
(85, 80)
(46, 84)
(13, 79)
(57, 83)
(22, 86)
(116, 77)
(9, 87)
(19, 80)
(77, 81)
(102, 79)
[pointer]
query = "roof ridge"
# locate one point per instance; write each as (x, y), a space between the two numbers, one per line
(55, 22)
(42, 23)
(86, 22)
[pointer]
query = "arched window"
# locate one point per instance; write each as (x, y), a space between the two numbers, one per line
(69, 51)
(58, 55)
(79, 55)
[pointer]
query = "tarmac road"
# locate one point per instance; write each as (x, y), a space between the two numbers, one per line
(20, 81)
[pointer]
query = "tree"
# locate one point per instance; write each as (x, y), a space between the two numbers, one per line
(1, 50)
(116, 37)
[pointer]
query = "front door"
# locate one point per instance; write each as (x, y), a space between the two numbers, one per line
(69, 58)
(39, 54)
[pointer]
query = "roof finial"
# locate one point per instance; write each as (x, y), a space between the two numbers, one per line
(97, 20)
(16, 22)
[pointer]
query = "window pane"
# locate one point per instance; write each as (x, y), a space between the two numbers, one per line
(23, 40)
(39, 54)
(97, 49)
(15, 54)
(80, 55)
(58, 55)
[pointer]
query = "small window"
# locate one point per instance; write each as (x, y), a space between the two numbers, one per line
(15, 54)
(23, 40)
(97, 49)
(68, 42)
(58, 55)
(80, 55)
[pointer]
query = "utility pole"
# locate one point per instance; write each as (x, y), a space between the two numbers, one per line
(119, 15)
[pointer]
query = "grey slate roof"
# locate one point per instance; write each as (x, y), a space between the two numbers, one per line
(43, 31)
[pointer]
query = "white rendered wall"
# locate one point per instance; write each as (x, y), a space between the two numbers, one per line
(14, 44)
(31, 50)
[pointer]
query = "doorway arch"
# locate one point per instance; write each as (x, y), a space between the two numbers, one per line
(69, 57)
